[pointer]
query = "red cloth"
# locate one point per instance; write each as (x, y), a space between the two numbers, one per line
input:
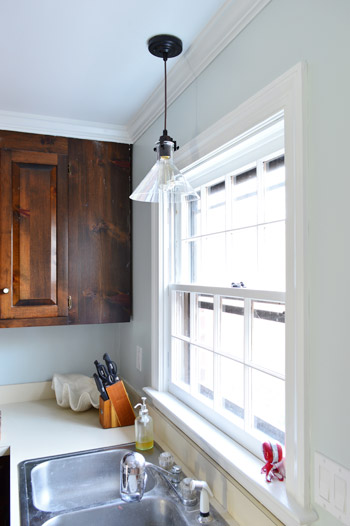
(274, 467)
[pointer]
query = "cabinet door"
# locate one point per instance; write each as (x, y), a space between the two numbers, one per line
(34, 235)
(99, 232)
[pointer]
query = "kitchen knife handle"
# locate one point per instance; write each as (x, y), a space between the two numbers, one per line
(100, 387)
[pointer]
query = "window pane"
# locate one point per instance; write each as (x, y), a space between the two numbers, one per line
(216, 207)
(189, 271)
(268, 401)
(272, 257)
(204, 386)
(274, 188)
(180, 364)
(212, 268)
(231, 386)
(204, 319)
(244, 202)
(181, 310)
(268, 336)
(232, 327)
(243, 257)
(194, 214)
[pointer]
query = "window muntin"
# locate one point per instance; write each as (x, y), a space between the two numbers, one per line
(235, 233)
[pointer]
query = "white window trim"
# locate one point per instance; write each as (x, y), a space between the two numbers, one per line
(284, 94)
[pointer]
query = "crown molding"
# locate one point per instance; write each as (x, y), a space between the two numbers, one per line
(224, 27)
(43, 124)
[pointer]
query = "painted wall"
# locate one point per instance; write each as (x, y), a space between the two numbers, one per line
(284, 33)
(34, 354)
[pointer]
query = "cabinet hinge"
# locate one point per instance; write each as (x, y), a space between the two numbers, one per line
(69, 302)
(69, 169)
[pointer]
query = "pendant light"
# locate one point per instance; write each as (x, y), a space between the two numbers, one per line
(164, 176)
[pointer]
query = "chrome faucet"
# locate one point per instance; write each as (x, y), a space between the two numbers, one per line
(133, 478)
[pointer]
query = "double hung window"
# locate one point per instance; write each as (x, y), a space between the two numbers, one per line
(229, 319)
(227, 290)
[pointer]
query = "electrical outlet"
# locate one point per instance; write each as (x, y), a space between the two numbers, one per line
(138, 358)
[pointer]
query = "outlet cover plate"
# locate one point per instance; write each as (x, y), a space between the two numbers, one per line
(332, 488)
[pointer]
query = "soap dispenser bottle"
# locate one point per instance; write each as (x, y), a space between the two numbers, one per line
(143, 427)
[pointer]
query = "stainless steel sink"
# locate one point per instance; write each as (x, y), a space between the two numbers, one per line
(78, 481)
(83, 489)
(157, 512)
(52, 485)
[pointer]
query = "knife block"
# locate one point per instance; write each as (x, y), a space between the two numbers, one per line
(117, 411)
(108, 416)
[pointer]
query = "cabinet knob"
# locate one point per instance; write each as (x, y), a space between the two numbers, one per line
(5, 290)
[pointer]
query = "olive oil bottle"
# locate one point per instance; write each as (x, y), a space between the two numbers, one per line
(143, 427)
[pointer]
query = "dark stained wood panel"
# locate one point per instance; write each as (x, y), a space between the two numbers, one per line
(99, 231)
(34, 234)
(33, 322)
(31, 141)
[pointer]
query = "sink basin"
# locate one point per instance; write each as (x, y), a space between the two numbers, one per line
(153, 511)
(52, 485)
(83, 489)
(77, 481)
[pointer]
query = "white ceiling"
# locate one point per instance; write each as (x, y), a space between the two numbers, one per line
(88, 60)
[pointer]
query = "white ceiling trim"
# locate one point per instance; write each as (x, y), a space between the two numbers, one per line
(224, 27)
(78, 129)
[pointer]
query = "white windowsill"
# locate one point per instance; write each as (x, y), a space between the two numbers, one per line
(236, 460)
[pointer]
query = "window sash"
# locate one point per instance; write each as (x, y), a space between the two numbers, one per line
(247, 434)
(191, 238)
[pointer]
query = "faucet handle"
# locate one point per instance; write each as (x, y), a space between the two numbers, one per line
(189, 494)
(175, 473)
(166, 460)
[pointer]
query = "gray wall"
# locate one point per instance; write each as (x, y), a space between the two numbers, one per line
(34, 354)
(284, 33)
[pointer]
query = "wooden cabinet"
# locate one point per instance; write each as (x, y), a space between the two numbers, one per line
(99, 231)
(33, 230)
(64, 231)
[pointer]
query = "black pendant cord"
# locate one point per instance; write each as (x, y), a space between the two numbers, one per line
(165, 46)
(165, 132)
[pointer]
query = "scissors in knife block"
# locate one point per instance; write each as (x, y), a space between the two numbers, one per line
(111, 367)
(105, 376)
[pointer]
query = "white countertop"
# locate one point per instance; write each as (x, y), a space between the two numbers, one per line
(42, 428)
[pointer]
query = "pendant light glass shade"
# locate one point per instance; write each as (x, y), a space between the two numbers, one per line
(164, 176)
